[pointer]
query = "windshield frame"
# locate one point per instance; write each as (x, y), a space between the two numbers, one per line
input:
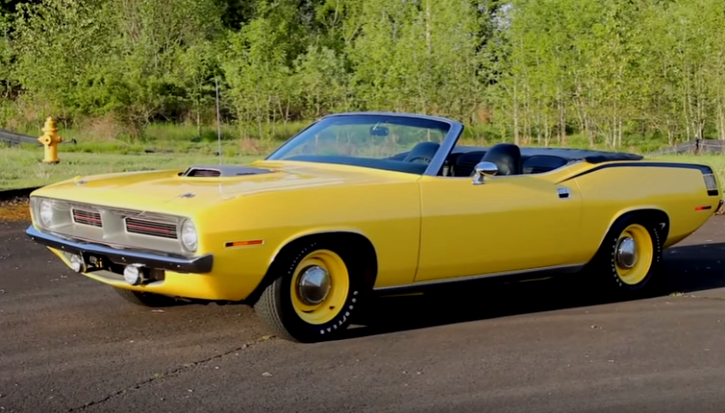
(455, 130)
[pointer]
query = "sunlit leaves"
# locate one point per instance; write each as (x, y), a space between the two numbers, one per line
(539, 70)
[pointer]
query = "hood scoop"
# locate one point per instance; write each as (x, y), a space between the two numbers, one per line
(221, 171)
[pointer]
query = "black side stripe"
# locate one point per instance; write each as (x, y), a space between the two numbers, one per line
(702, 168)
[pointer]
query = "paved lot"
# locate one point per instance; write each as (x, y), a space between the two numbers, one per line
(70, 344)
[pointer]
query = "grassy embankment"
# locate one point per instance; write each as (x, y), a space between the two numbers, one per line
(172, 148)
(102, 151)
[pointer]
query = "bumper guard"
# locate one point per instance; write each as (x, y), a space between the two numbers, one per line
(197, 265)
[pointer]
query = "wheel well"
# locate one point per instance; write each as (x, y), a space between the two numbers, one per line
(650, 215)
(654, 216)
(355, 244)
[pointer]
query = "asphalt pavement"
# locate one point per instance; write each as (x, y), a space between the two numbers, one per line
(69, 344)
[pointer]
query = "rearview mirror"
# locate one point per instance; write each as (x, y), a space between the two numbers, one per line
(484, 169)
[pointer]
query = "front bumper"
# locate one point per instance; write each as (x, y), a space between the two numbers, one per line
(196, 265)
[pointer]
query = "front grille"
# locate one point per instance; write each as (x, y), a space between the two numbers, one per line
(151, 228)
(87, 218)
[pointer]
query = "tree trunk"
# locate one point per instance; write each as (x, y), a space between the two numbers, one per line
(562, 121)
(720, 119)
(621, 131)
(198, 120)
(516, 115)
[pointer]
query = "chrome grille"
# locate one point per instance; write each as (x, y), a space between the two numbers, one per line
(117, 227)
(151, 228)
(87, 218)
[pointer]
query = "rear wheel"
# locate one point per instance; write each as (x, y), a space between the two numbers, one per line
(630, 257)
(318, 288)
(146, 299)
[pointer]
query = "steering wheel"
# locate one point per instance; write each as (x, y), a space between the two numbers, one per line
(423, 158)
(423, 151)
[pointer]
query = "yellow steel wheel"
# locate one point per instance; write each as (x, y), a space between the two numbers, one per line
(319, 287)
(633, 254)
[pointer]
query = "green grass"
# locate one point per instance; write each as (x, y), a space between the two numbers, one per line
(106, 136)
(110, 138)
(21, 168)
(717, 162)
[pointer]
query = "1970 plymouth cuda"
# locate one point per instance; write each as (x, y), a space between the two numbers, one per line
(363, 202)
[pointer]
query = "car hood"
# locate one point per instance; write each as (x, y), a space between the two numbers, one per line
(163, 190)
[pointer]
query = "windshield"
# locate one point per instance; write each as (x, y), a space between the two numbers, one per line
(396, 143)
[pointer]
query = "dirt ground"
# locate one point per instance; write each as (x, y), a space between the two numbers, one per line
(70, 344)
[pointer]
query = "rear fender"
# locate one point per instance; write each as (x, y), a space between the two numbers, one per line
(652, 212)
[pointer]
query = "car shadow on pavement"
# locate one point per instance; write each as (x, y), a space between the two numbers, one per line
(686, 269)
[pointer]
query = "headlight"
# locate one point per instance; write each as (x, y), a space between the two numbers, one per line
(45, 212)
(189, 237)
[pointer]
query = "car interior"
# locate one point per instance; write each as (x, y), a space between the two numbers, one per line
(460, 162)
(506, 156)
(510, 159)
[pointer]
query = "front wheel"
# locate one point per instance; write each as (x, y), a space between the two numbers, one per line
(318, 289)
(630, 257)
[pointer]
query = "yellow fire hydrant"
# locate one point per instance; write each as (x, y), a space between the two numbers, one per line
(50, 141)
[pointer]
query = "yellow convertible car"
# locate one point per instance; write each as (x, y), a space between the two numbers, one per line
(358, 203)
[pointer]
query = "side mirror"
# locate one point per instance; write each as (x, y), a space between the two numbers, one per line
(484, 169)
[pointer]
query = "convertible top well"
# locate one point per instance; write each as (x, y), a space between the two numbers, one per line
(568, 154)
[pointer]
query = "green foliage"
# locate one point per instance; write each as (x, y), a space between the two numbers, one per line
(6, 61)
(614, 74)
(137, 60)
(616, 68)
(320, 83)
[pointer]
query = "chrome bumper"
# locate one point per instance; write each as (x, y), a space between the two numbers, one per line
(197, 265)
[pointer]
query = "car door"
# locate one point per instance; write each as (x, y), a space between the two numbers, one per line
(508, 223)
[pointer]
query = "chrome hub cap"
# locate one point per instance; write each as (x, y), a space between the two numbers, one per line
(627, 252)
(314, 285)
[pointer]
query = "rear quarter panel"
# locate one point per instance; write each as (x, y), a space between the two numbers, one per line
(609, 191)
(386, 212)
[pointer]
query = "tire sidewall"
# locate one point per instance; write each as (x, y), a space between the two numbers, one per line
(296, 326)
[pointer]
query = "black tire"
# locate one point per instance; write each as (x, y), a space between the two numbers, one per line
(275, 305)
(146, 299)
(609, 277)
